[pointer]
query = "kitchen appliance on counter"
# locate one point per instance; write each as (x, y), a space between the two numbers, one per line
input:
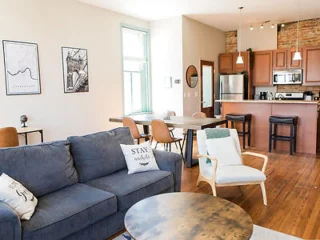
(263, 96)
(287, 77)
(234, 87)
(289, 96)
(308, 95)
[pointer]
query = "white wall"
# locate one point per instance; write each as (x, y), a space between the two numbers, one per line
(200, 42)
(258, 39)
(166, 59)
(53, 24)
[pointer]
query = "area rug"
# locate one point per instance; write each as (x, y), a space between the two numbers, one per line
(259, 233)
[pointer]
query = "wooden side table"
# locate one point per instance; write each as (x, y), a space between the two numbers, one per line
(187, 216)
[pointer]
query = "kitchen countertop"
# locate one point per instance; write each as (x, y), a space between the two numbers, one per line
(270, 101)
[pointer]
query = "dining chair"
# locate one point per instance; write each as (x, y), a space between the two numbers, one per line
(9, 137)
(195, 115)
(221, 163)
(129, 122)
(161, 134)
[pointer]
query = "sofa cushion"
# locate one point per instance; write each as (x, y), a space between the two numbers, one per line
(67, 211)
(42, 168)
(99, 154)
(130, 189)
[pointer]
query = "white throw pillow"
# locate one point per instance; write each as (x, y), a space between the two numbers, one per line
(17, 197)
(224, 150)
(139, 158)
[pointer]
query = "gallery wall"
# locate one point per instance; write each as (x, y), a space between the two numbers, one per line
(53, 24)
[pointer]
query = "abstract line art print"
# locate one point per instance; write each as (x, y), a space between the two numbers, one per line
(21, 61)
(75, 70)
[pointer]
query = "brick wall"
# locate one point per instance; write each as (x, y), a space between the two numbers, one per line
(309, 37)
(231, 41)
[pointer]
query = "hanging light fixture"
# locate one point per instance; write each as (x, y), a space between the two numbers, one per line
(239, 59)
(297, 54)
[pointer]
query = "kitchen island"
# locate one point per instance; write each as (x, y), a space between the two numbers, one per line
(261, 110)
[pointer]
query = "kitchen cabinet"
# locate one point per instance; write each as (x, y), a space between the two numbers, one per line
(311, 66)
(225, 63)
(238, 68)
(228, 62)
(293, 63)
(280, 59)
(262, 68)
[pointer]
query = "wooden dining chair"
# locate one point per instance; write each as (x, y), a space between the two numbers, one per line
(9, 137)
(128, 122)
(194, 115)
(161, 134)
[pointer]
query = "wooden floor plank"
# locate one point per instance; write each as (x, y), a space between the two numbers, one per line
(293, 191)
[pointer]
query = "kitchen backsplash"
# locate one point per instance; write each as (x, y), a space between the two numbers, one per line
(298, 88)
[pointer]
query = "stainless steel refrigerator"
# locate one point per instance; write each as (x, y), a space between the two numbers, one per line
(233, 87)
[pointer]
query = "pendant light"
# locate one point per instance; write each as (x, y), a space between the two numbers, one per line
(239, 59)
(297, 54)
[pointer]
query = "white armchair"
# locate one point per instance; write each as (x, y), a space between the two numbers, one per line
(226, 167)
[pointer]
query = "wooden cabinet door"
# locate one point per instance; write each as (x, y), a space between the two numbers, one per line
(311, 66)
(225, 63)
(237, 68)
(280, 59)
(262, 68)
(294, 63)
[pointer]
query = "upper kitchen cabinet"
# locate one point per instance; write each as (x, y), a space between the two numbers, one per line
(280, 59)
(225, 63)
(311, 66)
(293, 63)
(240, 67)
(262, 68)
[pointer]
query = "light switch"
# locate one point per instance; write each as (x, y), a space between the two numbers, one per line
(189, 94)
(196, 94)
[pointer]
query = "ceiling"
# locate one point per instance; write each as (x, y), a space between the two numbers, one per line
(222, 14)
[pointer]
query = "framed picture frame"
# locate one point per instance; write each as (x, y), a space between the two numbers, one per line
(22, 69)
(75, 70)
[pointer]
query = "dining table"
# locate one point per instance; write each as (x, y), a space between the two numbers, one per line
(190, 123)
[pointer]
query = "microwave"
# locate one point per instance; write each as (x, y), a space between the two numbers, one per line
(287, 77)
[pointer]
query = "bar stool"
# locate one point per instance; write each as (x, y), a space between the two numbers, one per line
(243, 118)
(291, 121)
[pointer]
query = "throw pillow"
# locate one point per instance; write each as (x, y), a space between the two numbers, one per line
(224, 150)
(139, 158)
(17, 197)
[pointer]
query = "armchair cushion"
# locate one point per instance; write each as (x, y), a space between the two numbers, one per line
(224, 150)
(238, 174)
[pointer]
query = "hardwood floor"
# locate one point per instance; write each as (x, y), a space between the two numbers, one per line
(293, 192)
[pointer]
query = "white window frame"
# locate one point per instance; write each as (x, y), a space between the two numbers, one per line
(147, 98)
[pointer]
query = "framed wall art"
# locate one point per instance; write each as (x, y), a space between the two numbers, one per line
(21, 62)
(75, 70)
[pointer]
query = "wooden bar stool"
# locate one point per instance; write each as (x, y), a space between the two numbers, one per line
(291, 121)
(242, 118)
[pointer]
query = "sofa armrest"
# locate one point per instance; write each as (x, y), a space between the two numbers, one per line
(171, 162)
(10, 226)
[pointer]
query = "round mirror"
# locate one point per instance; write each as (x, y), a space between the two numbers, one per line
(192, 76)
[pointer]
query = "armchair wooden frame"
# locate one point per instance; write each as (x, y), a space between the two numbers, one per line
(213, 183)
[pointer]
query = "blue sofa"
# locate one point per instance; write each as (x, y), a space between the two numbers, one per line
(82, 186)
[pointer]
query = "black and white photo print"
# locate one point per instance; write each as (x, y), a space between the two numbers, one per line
(21, 63)
(75, 70)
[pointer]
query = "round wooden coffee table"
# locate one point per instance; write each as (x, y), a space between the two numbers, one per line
(187, 216)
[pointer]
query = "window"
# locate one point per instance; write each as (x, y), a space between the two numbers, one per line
(136, 80)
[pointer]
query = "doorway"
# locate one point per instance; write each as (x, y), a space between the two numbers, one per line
(207, 87)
